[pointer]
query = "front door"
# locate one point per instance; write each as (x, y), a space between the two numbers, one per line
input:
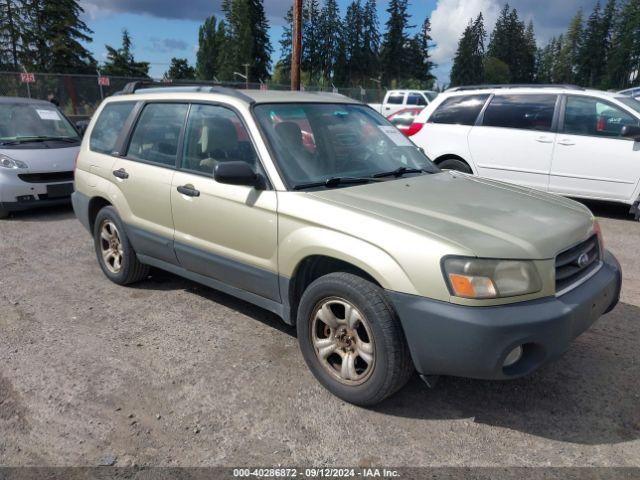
(514, 142)
(144, 177)
(225, 232)
(591, 158)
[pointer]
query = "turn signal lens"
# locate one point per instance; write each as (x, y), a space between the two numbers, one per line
(414, 128)
(598, 230)
(472, 287)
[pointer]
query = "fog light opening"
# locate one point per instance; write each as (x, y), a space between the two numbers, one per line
(514, 356)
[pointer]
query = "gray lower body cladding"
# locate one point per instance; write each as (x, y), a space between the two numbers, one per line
(448, 339)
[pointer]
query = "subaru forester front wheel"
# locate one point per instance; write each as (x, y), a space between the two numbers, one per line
(352, 340)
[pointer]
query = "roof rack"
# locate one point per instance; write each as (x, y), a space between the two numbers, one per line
(515, 85)
(151, 86)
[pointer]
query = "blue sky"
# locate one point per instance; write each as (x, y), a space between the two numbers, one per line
(162, 29)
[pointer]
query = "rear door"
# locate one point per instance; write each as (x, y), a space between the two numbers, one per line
(445, 131)
(225, 232)
(591, 158)
(144, 175)
(514, 139)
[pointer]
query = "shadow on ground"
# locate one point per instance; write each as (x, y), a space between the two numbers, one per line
(589, 396)
(609, 209)
(42, 214)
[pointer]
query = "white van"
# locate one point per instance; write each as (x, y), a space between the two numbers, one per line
(561, 139)
(396, 100)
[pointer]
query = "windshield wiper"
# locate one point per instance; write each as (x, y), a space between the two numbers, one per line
(18, 141)
(398, 172)
(332, 182)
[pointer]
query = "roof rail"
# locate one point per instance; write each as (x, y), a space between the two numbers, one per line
(152, 86)
(514, 85)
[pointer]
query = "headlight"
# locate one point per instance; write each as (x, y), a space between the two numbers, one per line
(488, 278)
(8, 162)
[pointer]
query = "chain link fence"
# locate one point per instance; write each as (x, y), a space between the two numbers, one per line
(80, 95)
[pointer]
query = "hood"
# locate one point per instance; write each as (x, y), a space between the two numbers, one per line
(489, 218)
(45, 159)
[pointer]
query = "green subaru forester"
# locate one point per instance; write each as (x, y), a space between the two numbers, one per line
(314, 207)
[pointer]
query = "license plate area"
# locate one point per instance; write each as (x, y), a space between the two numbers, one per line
(59, 190)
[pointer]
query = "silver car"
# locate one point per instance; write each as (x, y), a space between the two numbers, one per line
(38, 148)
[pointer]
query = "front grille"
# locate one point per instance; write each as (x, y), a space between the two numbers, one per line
(576, 263)
(46, 177)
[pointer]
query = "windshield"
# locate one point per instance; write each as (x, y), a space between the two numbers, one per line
(431, 95)
(25, 120)
(313, 142)
(630, 102)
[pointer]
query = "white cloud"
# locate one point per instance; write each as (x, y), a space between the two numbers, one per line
(449, 20)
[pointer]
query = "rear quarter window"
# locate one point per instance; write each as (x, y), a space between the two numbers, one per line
(396, 99)
(109, 125)
(459, 110)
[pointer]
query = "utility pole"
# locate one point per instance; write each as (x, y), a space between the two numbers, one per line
(297, 45)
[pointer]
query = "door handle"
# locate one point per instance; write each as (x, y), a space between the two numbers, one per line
(121, 173)
(544, 140)
(566, 142)
(188, 190)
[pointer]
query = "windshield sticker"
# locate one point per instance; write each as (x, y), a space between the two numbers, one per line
(48, 114)
(396, 136)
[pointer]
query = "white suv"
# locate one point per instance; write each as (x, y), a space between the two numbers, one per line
(560, 139)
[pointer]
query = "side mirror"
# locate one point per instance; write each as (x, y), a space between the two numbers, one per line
(631, 131)
(238, 173)
(81, 126)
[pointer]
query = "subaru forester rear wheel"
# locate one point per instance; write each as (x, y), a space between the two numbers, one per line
(115, 254)
(352, 340)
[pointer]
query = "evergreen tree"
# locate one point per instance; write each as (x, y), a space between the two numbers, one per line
(247, 38)
(120, 61)
(180, 70)
(352, 40)
(64, 35)
(52, 41)
(330, 31)
(311, 20)
(13, 29)
(392, 55)
(225, 62)
(420, 64)
(370, 40)
(570, 50)
(208, 50)
(286, 40)
(513, 44)
(592, 56)
(468, 61)
(624, 58)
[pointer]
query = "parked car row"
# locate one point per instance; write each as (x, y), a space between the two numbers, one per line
(396, 100)
(564, 140)
(318, 209)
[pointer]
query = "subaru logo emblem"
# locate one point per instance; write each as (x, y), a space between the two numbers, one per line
(583, 260)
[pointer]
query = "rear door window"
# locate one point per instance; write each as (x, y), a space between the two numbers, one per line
(459, 110)
(594, 117)
(109, 125)
(156, 135)
(416, 99)
(525, 112)
(396, 99)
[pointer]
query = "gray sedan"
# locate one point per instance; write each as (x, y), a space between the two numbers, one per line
(38, 148)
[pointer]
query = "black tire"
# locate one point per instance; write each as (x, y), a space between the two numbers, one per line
(131, 269)
(392, 366)
(455, 164)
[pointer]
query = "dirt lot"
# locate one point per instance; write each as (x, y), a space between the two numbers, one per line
(172, 373)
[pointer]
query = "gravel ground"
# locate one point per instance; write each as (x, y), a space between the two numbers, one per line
(172, 373)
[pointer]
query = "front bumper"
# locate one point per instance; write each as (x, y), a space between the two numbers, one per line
(448, 339)
(16, 194)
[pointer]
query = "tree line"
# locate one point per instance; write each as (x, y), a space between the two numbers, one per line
(602, 51)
